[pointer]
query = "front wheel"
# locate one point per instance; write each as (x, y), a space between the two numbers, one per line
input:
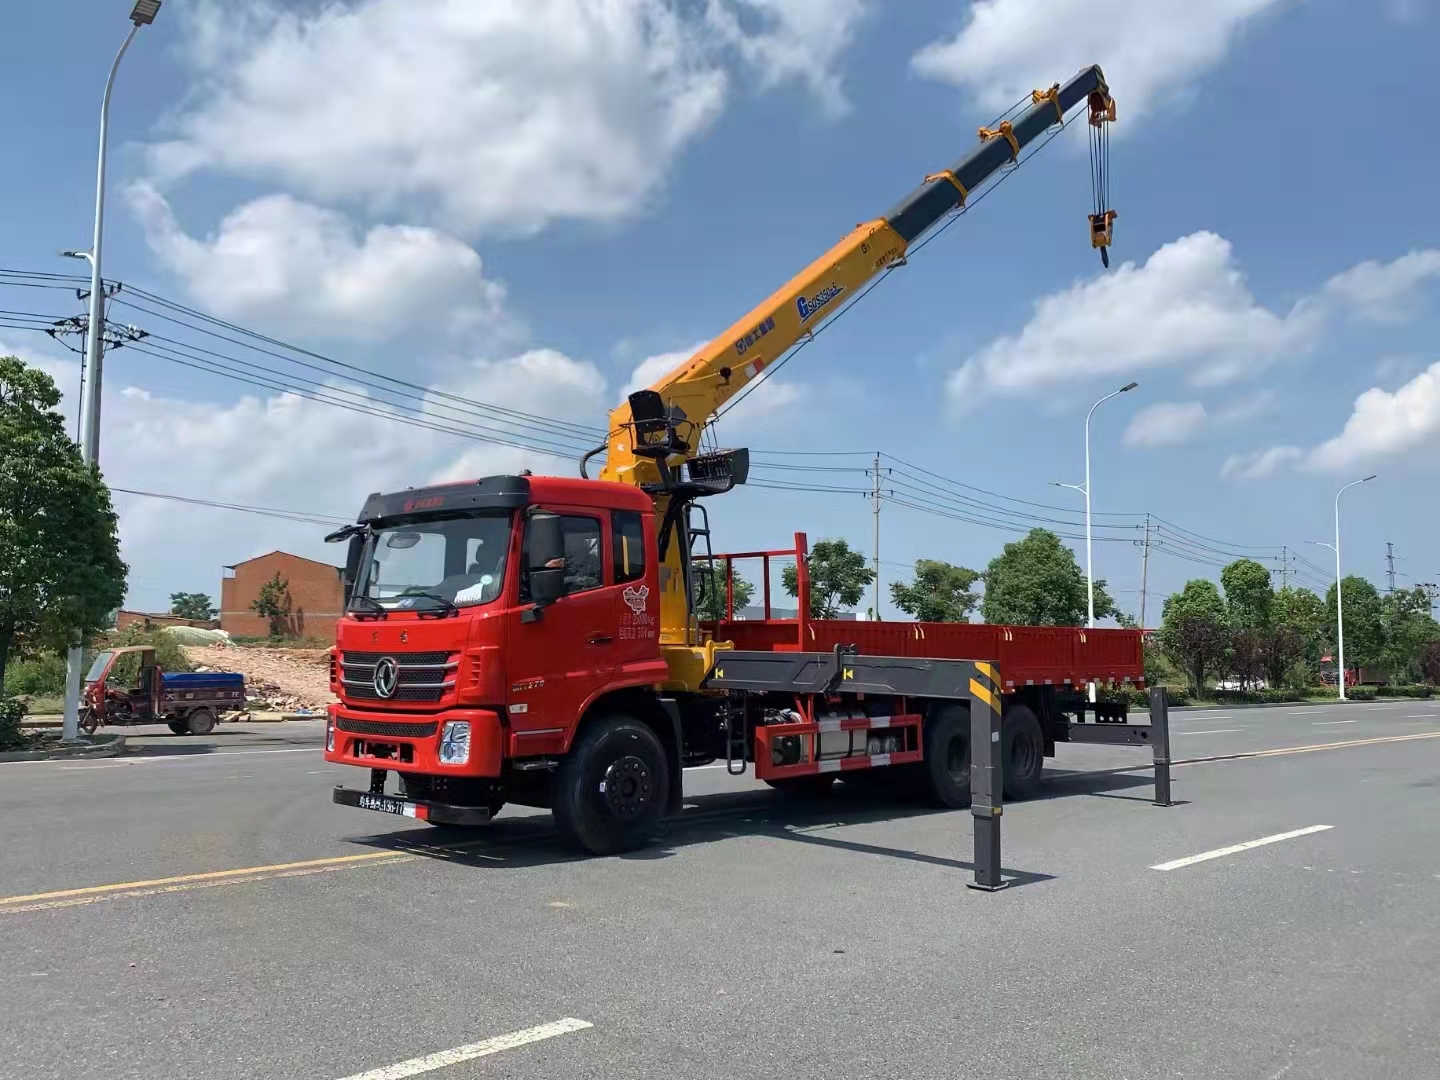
(89, 722)
(612, 789)
(178, 727)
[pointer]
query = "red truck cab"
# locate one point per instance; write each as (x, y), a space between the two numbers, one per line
(445, 666)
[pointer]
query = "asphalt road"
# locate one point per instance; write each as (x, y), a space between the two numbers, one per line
(202, 909)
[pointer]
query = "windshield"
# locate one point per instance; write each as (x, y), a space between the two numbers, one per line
(98, 667)
(432, 564)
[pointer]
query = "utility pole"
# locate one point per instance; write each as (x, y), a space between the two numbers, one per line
(1390, 565)
(1284, 567)
(1144, 569)
(143, 14)
(875, 511)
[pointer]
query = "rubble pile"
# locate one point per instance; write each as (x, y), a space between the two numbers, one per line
(276, 679)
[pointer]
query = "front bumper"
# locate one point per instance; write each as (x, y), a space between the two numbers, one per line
(419, 809)
(370, 740)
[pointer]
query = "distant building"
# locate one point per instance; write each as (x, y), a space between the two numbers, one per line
(148, 620)
(316, 595)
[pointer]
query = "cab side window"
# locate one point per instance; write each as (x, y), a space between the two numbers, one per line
(627, 543)
(583, 566)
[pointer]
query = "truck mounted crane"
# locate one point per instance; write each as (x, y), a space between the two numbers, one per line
(537, 639)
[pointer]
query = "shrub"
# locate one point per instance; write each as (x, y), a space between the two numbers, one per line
(38, 676)
(1412, 691)
(1361, 693)
(11, 713)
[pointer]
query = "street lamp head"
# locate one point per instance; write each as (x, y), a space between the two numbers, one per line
(1128, 386)
(1370, 477)
(145, 12)
(74, 254)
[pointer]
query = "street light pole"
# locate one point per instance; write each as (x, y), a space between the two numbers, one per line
(1085, 489)
(1340, 589)
(143, 14)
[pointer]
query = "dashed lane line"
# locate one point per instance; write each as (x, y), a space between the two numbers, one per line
(1233, 849)
(445, 1058)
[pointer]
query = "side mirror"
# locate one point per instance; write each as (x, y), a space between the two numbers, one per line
(545, 541)
(352, 564)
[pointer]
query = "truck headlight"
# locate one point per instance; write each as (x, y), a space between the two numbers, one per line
(455, 743)
(329, 735)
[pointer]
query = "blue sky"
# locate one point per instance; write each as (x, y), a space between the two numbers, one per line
(520, 203)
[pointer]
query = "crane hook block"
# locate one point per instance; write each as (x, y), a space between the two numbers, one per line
(1102, 232)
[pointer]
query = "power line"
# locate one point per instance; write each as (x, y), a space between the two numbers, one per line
(267, 511)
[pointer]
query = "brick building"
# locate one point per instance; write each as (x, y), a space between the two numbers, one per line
(316, 595)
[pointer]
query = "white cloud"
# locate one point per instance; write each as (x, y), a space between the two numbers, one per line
(1148, 48)
(1188, 304)
(494, 116)
(1385, 292)
(1167, 423)
(798, 39)
(1260, 464)
(1385, 424)
(299, 269)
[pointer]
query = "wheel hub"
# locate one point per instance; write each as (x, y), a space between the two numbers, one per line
(627, 787)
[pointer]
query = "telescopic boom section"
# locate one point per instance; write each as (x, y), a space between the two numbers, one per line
(724, 367)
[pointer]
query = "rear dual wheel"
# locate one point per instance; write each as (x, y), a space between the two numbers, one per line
(945, 772)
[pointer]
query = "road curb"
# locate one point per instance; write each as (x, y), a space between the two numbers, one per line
(102, 746)
(1293, 704)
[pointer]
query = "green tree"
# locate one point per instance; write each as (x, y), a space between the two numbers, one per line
(1364, 623)
(1409, 627)
(60, 567)
(192, 605)
(1249, 596)
(274, 603)
(1037, 582)
(939, 593)
(1195, 630)
(1296, 637)
(838, 577)
(1249, 599)
(711, 587)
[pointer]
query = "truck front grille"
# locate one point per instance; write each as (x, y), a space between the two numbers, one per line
(419, 676)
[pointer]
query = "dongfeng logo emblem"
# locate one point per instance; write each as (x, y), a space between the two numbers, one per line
(387, 674)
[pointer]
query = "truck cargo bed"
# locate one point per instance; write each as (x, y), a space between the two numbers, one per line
(1027, 655)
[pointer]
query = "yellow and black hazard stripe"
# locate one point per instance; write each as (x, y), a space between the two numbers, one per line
(985, 685)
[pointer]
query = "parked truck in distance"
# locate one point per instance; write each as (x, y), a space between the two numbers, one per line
(538, 639)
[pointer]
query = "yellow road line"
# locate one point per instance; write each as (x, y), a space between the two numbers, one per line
(1309, 748)
(219, 876)
(190, 886)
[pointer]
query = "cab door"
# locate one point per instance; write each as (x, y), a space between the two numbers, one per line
(561, 655)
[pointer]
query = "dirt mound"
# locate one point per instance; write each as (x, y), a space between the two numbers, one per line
(280, 679)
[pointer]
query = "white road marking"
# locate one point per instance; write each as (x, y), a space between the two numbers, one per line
(430, 1062)
(174, 759)
(1331, 723)
(1189, 860)
(1422, 716)
(1211, 731)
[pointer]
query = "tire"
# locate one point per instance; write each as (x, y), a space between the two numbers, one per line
(805, 787)
(945, 772)
(200, 721)
(1024, 749)
(88, 722)
(178, 727)
(611, 790)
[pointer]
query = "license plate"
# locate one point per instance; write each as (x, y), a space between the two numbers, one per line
(386, 805)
